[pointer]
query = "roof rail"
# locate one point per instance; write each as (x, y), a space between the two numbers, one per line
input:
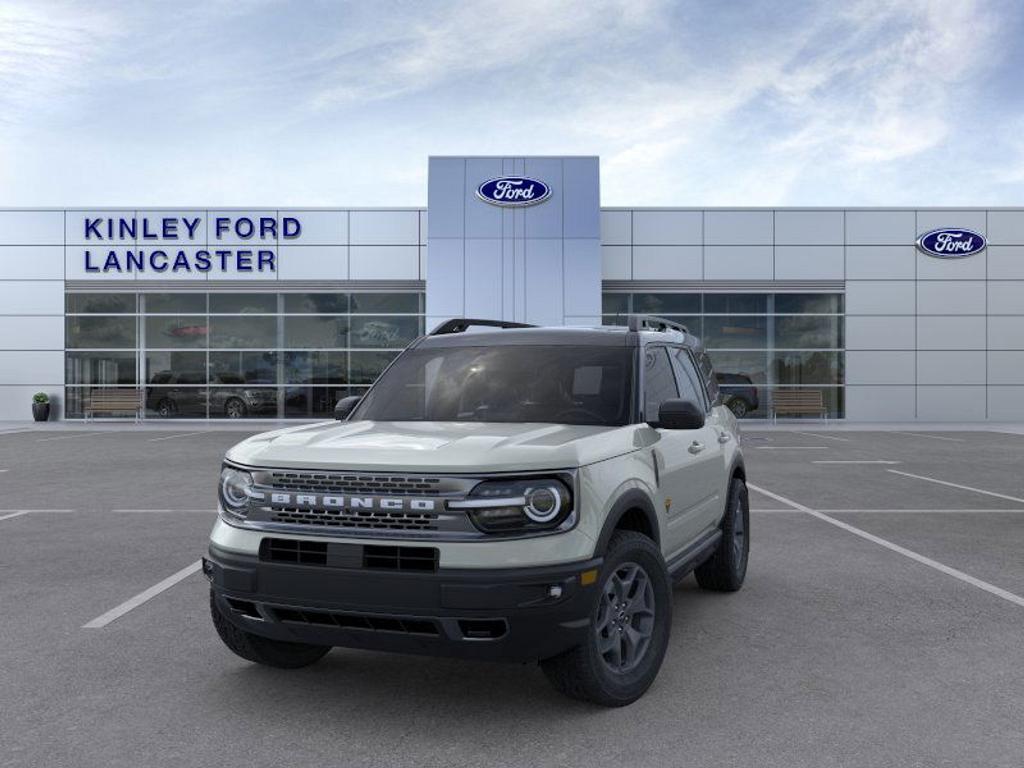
(461, 324)
(653, 323)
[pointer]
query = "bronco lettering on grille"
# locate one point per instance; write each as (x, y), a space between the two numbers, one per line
(382, 503)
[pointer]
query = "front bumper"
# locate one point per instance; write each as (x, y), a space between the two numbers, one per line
(516, 614)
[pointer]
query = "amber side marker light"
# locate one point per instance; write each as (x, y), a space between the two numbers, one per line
(588, 577)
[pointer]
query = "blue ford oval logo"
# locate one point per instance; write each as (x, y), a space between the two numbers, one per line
(951, 243)
(515, 191)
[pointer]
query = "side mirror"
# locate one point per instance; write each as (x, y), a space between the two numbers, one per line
(345, 407)
(680, 414)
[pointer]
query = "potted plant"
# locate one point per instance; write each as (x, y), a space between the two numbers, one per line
(41, 406)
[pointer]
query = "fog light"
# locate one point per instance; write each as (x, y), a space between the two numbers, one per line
(554, 591)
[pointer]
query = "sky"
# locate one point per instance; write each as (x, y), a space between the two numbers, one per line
(304, 103)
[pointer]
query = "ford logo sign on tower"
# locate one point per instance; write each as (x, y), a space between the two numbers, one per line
(513, 191)
(951, 243)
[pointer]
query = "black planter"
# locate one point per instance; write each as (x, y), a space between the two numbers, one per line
(41, 411)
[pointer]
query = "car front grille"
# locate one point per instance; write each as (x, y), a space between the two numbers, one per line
(344, 483)
(360, 621)
(357, 518)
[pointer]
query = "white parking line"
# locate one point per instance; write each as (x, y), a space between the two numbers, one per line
(956, 574)
(824, 437)
(173, 437)
(143, 597)
(209, 511)
(793, 447)
(7, 514)
(957, 485)
(855, 461)
(931, 437)
(926, 511)
(68, 437)
(5, 470)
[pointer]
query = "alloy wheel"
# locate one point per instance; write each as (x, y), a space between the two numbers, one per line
(625, 618)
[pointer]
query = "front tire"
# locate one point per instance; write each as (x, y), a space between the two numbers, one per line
(235, 408)
(263, 650)
(727, 567)
(629, 630)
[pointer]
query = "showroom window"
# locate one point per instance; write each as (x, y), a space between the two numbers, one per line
(760, 343)
(231, 354)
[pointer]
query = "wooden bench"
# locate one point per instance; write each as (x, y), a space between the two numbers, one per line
(113, 401)
(799, 402)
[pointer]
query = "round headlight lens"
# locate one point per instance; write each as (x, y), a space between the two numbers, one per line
(543, 504)
(235, 488)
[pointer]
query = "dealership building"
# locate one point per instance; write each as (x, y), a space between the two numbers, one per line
(858, 314)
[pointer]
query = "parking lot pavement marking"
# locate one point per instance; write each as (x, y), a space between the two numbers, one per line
(824, 437)
(173, 437)
(992, 589)
(5, 470)
(957, 485)
(9, 513)
(68, 437)
(210, 511)
(129, 605)
(925, 511)
(855, 461)
(793, 447)
(930, 437)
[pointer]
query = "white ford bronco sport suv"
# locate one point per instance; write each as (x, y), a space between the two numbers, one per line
(516, 493)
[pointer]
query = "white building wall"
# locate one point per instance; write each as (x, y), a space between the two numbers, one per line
(926, 338)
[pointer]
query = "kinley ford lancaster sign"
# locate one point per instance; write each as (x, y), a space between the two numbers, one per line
(951, 243)
(182, 246)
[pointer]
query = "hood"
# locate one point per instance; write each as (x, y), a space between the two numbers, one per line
(410, 446)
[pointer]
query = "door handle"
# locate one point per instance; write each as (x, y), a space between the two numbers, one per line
(723, 437)
(696, 447)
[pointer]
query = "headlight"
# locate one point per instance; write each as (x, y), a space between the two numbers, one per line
(235, 489)
(514, 506)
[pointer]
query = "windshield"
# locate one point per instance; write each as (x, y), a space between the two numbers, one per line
(557, 384)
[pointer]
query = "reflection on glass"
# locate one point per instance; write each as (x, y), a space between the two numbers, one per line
(808, 332)
(735, 303)
(100, 368)
(176, 332)
(243, 402)
(367, 366)
(243, 303)
(384, 332)
(174, 303)
(384, 303)
(809, 303)
(315, 367)
(175, 367)
(243, 332)
(100, 303)
(176, 402)
(315, 402)
(736, 332)
(315, 303)
(243, 367)
(98, 332)
(666, 303)
(807, 367)
(315, 332)
(614, 303)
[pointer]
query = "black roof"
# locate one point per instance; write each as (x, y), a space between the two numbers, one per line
(605, 336)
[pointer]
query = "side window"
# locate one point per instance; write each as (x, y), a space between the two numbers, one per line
(709, 376)
(690, 387)
(659, 381)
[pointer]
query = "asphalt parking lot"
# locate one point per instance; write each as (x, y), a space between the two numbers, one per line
(882, 624)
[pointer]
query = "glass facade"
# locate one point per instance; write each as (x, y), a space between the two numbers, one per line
(760, 343)
(234, 355)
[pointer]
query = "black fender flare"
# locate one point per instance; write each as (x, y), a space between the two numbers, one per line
(633, 498)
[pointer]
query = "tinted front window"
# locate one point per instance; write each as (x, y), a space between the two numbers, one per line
(560, 385)
(659, 381)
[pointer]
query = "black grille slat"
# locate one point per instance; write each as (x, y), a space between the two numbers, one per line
(359, 621)
(324, 482)
(356, 518)
(400, 558)
(294, 551)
